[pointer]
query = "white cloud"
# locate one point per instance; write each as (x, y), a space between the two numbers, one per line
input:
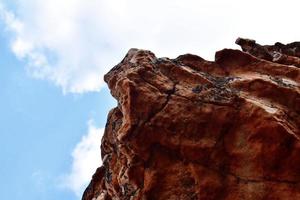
(86, 159)
(74, 42)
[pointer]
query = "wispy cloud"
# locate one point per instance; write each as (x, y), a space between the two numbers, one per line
(86, 159)
(74, 42)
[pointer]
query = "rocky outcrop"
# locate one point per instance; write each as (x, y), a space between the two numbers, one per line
(188, 129)
(279, 53)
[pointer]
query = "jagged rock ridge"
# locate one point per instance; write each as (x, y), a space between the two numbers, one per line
(188, 129)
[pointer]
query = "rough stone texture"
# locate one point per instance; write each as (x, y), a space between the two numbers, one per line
(188, 129)
(284, 54)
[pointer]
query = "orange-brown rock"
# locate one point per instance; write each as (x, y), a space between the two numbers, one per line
(188, 129)
(284, 54)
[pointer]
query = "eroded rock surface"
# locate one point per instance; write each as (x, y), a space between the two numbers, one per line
(188, 129)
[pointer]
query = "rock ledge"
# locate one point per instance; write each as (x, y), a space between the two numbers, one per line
(189, 129)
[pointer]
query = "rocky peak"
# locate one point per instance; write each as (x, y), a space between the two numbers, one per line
(189, 129)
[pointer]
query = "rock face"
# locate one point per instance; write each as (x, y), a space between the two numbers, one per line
(188, 129)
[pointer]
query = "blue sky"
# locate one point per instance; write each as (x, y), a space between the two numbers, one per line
(39, 129)
(53, 55)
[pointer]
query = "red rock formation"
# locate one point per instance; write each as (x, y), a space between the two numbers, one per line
(284, 54)
(188, 129)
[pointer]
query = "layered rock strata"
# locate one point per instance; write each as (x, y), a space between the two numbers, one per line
(188, 128)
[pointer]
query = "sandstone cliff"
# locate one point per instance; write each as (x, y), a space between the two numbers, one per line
(188, 129)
